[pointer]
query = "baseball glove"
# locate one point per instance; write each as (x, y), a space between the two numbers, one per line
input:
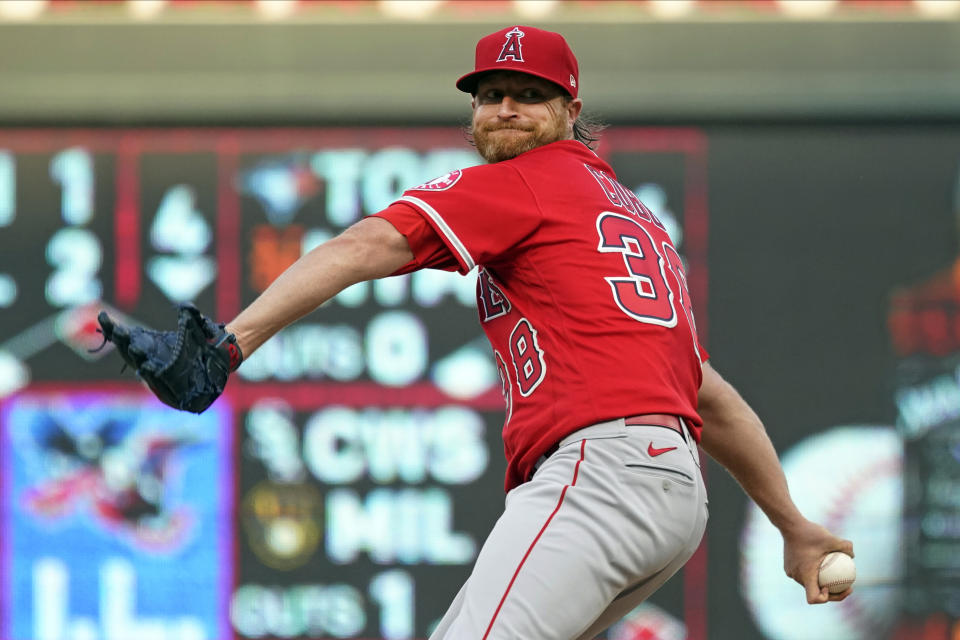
(187, 368)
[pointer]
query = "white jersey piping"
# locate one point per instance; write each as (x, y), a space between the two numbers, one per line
(458, 246)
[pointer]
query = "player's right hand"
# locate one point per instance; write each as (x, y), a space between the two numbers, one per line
(804, 546)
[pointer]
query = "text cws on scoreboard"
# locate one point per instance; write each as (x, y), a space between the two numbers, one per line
(342, 485)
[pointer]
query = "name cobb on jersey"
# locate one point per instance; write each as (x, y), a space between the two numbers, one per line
(620, 196)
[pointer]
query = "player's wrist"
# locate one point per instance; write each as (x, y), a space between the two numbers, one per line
(229, 345)
(789, 521)
(241, 340)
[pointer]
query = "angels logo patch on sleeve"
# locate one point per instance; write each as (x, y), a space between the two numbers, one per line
(442, 183)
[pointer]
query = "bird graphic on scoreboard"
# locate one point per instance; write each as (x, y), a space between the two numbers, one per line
(281, 186)
(119, 474)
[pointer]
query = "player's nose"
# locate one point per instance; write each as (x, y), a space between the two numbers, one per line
(508, 107)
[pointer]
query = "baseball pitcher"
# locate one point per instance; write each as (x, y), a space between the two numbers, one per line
(608, 391)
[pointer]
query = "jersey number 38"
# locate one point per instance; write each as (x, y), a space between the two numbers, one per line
(655, 286)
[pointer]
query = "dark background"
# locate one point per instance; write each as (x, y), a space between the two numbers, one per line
(812, 228)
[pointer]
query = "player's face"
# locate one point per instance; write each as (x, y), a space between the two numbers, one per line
(516, 112)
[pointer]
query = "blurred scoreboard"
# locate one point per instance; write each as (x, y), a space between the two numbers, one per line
(344, 483)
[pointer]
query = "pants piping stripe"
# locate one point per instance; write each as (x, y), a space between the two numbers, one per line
(576, 471)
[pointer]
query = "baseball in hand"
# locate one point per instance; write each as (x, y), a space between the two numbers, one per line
(837, 572)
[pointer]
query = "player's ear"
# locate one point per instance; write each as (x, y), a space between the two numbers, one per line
(574, 107)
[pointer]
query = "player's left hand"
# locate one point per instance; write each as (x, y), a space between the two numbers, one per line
(804, 546)
(187, 368)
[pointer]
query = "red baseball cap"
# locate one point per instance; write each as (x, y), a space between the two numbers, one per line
(540, 53)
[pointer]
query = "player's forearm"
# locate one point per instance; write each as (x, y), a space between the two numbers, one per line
(370, 249)
(734, 436)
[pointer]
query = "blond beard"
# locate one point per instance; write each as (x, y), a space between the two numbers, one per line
(496, 148)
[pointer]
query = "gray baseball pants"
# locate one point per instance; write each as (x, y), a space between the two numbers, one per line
(603, 523)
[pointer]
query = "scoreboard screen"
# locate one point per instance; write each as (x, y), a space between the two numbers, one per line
(344, 483)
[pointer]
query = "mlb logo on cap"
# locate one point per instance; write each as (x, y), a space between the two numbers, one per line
(544, 54)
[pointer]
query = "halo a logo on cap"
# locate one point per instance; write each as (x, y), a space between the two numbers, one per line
(512, 47)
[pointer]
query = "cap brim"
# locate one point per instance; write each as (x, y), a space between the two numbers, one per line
(468, 83)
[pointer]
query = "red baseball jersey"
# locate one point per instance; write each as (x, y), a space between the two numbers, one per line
(580, 292)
